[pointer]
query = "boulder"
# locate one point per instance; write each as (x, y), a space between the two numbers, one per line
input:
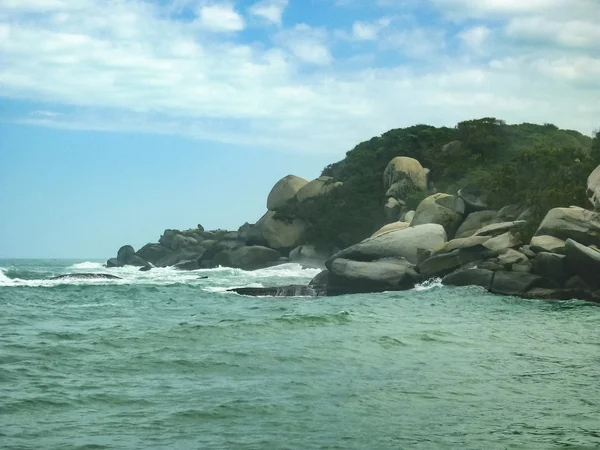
(510, 213)
(471, 277)
(496, 229)
(551, 265)
(391, 227)
(177, 240)
(396, 244)
(388, 274)
(125, 254)
(152, 252)
(443, 264)
(392, 209)
(574, 223)
(547, 244)
(515, 283)
(475, 221)
(137, 261)
(277, 234)
(310, 256)
(474, 198)
(244, 231)
(576, 282)
(443, 209)
(503, 242)
(454, 149)
(247, 258)
(320, 186)
(218, 247)
(175, 257)
(593, 188)
(524, 267)
(114, 262)
(404, 168)
(409, 216)
(526, 250)
(462, 243)
(584, 261)
(284, 190)
(321, 279)
(511, 257)
(400, 190)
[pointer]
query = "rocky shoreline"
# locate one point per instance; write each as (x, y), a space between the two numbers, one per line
(457, 238)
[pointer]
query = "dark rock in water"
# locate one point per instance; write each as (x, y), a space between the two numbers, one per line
(125, 254)
(145, 268)
(153, 252)
(551, 265)
(85, 276)
(137, 261)
(175, 257)
(389, 274)
(114, 262)
(471, 277)
(322, 279)
(562, 294)
(247, 258)
(517, 283)
(187, 265)
(584, 261)
(281, 291)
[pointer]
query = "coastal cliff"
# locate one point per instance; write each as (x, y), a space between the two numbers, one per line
(503, 207)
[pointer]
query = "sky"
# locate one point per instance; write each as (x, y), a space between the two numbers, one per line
(122, 118)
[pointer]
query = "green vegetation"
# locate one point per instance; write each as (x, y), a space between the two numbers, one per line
(537, 165)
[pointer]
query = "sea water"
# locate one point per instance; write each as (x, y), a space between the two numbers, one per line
(168, 359)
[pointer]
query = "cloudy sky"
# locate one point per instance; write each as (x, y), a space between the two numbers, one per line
(119, 118)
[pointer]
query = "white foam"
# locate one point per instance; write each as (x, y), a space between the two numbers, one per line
(429, 284)
(87, 265)
(4, 280)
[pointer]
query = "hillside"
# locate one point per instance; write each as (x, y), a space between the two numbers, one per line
(540, 166)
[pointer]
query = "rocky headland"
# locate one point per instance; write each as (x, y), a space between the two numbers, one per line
(389, 231)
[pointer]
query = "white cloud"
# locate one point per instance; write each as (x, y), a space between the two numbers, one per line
(128, 66)
(270, 10)
(569, 33)
(475, 37)
(220, 18)
(369, 31)
(307, 44)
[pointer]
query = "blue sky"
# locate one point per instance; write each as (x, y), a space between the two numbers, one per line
(121, 118)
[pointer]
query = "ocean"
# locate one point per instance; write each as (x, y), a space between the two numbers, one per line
(170, 360)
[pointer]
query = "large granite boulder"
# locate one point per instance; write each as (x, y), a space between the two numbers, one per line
(247, 258)
(391, 227)
(510, 213)
(496, 229)
(387, 274)
(125, 254)
(504, 241)
(584, 261)
(575, 223)
(408, 172)
(516, 283)
(284, 190)
(177, 240)
(547, 244)
(320, 186)
(551, 265)
(153, 252)
(462, 243)
(443, 209)
(114, 262)
(126, 257)
(277, 234)
(442, 264)
(593, 188)
(470, 277)
(474, 198)
(475, 221)
(396, 244)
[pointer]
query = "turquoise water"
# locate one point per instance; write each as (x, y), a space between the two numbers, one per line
(165, 360)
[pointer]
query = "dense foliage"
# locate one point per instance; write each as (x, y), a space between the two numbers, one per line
(539, 165)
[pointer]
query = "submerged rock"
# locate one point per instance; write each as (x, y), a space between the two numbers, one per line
(86, 276)
(281, 291)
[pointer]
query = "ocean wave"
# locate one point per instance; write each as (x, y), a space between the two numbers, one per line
(87, 265)
(429, 284)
